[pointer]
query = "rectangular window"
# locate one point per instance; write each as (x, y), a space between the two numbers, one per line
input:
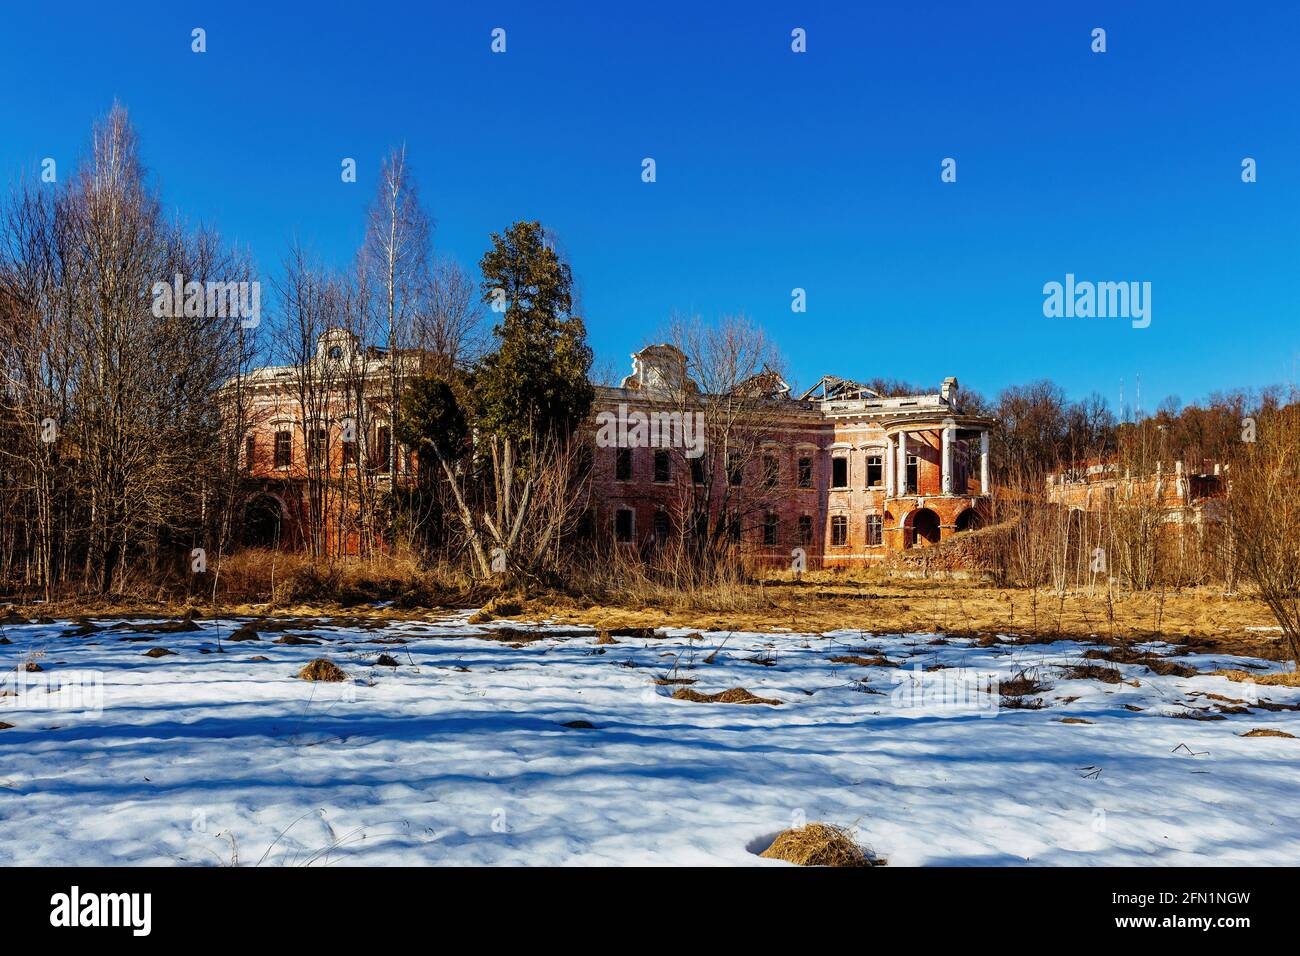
(805, 473)
(770, 526)
(840, 471)
(383, 447)
(875, 471)
(873, 530)
(316, 446)
(735, 470)
(733, 527)
(250, 452)
(663, 466)
(624, 524)
(662, 526)
(623, 464)
(839, 530)
(349, 452)
(912, 471)
(283, 449)
(771, 470)
(805, 529)
(697, 470)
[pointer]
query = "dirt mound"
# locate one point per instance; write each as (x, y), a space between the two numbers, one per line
(818, 844)
(158, 652)
(295, 639)
(244, 632)
(385, 660)
(323, 669)
(1264, 732)
(736, 695)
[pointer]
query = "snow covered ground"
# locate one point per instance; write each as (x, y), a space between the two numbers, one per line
(461, 753)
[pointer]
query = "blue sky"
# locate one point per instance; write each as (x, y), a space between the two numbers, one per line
(775, 170)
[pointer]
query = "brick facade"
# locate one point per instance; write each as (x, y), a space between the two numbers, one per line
(840, 514)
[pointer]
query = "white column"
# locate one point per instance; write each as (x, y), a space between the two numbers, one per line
(984, 463)
(946, 460)
(889, 468)
(902, 464)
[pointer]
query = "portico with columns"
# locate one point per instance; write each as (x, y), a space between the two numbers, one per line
(938, 477)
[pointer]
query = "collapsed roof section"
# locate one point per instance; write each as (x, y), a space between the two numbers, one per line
(664, 369)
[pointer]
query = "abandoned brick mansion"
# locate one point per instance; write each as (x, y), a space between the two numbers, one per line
(841, 472)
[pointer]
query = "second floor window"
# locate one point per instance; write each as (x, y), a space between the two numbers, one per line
(875, 471)
(771, 526)
(663, 466)
(623, 464)
(771, 470)
(250, 452)
(805, 473)
(912, 471)
(283, 449)
(383, 447)
(316, 446)
(840, 472)
(735, 470)
(697, 470)
(805, 529)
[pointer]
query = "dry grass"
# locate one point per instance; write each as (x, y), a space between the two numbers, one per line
(736, 695)
(818, 844)
(1284, 679)
(1205, 619)
(1098, 672)
(323, 669)
(1266, 732)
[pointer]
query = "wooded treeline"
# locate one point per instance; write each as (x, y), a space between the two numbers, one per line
(124, 428)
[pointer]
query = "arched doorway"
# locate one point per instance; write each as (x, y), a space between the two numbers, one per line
(925, 527)
(968, 520)
(263, 521)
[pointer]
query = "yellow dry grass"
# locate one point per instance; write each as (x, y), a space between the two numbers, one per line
(1284, 679)
(323, 669)
(817, 844)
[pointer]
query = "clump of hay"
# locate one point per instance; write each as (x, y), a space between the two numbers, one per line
(1074, 720)
(323, 669)
(1099, 672)
(863, 661)
(1283, 679)
(158, 652)
(1022, 685)
(497, 607)
(736, 695)
(605, 638)
(671, 681)
(817, 844)
(1266, 732)
(1153, 662)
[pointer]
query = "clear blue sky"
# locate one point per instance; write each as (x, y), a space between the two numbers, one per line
(775, 170)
